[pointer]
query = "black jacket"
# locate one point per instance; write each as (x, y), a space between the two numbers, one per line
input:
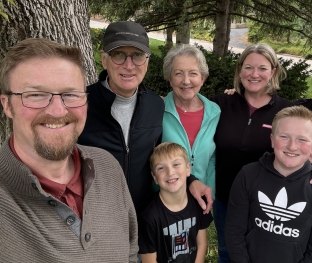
(240, 138)
(305, 102)
(103, 131)
(269, 216)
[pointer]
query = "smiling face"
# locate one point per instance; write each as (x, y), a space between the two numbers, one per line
(51, 132)
(186, 78)
(292, 143)
(256, 73)
(124, 79)
(170, 173)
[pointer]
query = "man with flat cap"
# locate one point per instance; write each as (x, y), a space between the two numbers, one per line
(124, 117)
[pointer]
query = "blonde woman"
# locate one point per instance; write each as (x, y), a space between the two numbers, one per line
(243, 132)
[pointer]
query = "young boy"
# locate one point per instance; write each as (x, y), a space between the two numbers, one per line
(173, 226)
(269, 217)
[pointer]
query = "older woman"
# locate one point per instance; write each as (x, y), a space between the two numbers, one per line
(190, 119)
(243, 132)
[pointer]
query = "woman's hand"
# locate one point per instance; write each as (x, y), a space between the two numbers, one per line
(229, 91)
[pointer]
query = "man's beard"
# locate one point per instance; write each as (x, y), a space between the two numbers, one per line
(53, 152)
(62, 148)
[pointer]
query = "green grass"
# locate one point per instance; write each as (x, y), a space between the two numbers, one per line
(282, 47)
(212, 253)
(154, 44)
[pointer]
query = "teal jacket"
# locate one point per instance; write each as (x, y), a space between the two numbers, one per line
(202, 154)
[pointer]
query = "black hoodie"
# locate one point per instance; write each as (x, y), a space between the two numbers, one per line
(269, 216)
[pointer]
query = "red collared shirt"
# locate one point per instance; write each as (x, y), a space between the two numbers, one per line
(71, 193)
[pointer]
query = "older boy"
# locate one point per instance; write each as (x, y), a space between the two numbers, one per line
(270, 214)
(173, 227)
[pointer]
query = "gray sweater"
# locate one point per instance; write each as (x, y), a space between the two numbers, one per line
(36, 227)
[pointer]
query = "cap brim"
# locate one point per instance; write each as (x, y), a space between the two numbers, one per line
(117, 44)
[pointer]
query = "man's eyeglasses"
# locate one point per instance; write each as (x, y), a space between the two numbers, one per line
(41, 99)
(119, 57)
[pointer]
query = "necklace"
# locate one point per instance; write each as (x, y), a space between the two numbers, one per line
(183, 109)
(193, 105)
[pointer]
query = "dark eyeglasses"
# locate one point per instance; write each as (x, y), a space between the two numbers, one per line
(137, 58)
(41, 99)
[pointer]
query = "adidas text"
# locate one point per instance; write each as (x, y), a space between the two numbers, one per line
(277, 229)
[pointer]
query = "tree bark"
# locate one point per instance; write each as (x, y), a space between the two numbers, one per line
(64, 21)
(183, 33)
(169, 40)
(223, 28)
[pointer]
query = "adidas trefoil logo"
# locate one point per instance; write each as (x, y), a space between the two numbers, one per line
(279, 210)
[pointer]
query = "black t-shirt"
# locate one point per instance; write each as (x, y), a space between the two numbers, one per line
(172, 234)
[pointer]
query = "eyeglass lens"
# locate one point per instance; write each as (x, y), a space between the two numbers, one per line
(119, 57)
(40, 99)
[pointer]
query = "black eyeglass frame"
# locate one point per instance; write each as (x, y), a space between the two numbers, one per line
(51, 93)
(126, 56)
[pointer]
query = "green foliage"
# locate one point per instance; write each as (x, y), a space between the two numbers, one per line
(221, 74)
(96, 38)
(295, 86)
(281, 20)
(2, 11)
(203, 29)
(221, 71)
(309, 92)
(286, 42)
(255, 35)
(154, 46)
(275, 17)
(154, 77)
(4, 15)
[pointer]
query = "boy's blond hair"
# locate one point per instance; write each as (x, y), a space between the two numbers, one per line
(293, 111)
(166, 150)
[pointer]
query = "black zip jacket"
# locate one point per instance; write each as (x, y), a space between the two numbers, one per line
(269, 216)
(241, 138)
(103, 131)
(305, 102)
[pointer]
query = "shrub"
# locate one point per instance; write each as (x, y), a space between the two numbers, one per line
(96, 38)
(154, 77)
(295, 86)
(221, 72)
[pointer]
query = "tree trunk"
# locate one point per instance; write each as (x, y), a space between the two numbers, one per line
(64, 21)
(223, 28)
(183, 33)
(169, 34)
